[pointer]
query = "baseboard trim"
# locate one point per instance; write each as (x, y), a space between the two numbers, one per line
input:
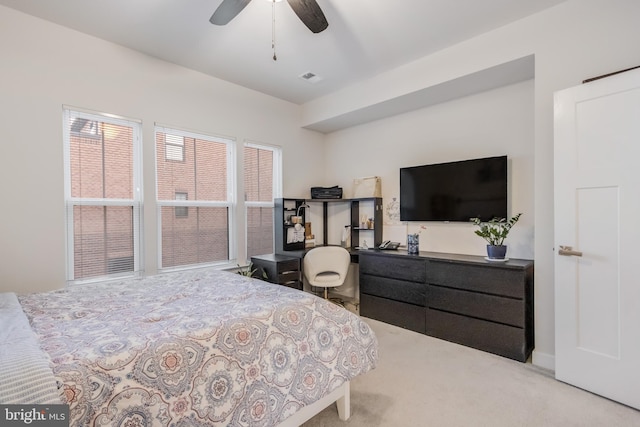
(543, 360)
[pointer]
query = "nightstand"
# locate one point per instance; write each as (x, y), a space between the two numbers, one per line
(279, 269)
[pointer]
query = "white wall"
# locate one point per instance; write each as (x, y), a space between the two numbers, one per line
(45, 66)
(571, 42)
(493, 123)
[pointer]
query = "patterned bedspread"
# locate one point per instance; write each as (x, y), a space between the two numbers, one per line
(203, 347)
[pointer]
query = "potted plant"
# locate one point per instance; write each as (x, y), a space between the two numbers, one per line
(494, 232)
(249, 271)
(246, 271)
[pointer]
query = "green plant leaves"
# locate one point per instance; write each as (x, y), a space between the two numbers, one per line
(495, 230)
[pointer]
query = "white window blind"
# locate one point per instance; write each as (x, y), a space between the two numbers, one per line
(204, 182)
(262, 183)
(174, 147)
(102, 195)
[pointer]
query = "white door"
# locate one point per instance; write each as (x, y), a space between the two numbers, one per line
(597, 236)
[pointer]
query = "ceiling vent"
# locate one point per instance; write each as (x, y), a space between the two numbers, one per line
(310, 77)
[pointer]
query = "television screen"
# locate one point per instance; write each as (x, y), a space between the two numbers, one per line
(455, 191)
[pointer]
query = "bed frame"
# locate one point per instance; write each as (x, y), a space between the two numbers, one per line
(341, 396)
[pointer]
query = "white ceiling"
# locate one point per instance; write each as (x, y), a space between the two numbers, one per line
(364, 37)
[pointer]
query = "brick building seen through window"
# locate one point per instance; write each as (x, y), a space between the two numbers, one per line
(101, 164)
(101, 169)
(192, 234)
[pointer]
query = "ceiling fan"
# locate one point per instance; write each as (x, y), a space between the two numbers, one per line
(307, 10)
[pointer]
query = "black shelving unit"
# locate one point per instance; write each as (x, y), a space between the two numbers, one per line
(372, 205)
(284, 210)
(372, 232)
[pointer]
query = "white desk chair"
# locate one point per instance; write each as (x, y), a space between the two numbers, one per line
(326, 267)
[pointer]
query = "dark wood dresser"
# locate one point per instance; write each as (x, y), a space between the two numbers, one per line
(459, 298)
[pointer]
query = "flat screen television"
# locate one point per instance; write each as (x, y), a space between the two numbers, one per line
(454, 191)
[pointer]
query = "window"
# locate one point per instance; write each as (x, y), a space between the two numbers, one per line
(182, 211)
(173, 147)
(203, 234)
(262, 183)
(102, 195)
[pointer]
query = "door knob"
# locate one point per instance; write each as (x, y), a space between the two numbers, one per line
(568, 251)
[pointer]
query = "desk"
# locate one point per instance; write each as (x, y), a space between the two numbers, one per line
(302, 252)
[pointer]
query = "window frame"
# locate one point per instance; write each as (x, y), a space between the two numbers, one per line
(230, 203)
(69, 112)
(277, 187)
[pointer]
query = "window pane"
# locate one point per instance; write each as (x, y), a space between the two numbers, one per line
(103, 240)
(258, 174)
(259, 231)
(202, 237)
(193, 234)
(202, 174)
(102, 195)
(101, 163)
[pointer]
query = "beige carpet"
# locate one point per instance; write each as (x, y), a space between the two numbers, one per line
(423, 381)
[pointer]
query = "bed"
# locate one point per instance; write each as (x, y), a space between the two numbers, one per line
(195, 348)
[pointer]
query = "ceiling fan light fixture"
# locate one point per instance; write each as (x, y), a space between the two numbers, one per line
(308, 11)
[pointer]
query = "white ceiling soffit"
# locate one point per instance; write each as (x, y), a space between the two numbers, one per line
(505, 74)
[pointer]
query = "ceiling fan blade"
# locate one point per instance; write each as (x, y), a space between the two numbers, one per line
(310, 14)
(227, 10)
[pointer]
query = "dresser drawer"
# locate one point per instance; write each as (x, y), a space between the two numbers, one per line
(288, 276)
(480, 278)
(509, 311)
(400, 268)
(504, 340)
(288, 266)
(396, 313)
(397, 290)
(295, 284)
